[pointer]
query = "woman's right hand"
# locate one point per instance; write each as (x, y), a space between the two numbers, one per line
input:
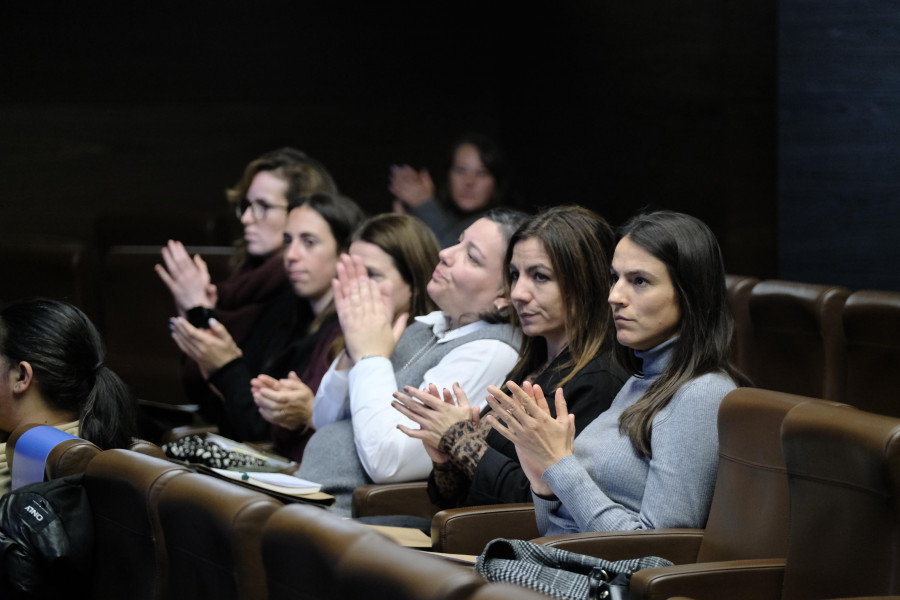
(187, 278)
(411, 187)
(365, 312)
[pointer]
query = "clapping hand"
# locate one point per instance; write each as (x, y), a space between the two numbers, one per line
(211, 348)
(541, 441)
(365, 311)
(284, 402)
(433, 414)
(187, 278)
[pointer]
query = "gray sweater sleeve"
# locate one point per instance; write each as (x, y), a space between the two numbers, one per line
(615, 489)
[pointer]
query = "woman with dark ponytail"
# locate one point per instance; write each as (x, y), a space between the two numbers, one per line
(52, 373)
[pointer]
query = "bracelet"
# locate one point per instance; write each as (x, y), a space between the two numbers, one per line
(365, 356)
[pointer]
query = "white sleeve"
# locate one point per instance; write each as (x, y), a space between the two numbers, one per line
(331, 403)
(388, 454)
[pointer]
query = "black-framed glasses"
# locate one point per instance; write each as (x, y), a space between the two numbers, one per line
(258, 208)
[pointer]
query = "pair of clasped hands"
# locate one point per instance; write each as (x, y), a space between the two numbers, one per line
(541, 440)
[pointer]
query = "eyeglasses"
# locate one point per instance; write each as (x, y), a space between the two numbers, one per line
(258, 208)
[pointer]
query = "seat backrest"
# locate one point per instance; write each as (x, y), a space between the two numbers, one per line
(377, 567)
(749, 515)
(48, 268)
(40, 452)
(321, 538)
(844, 476)
(212, 533)
(739, 288)
(796, 343)
(136, 308)
(123, 488)
(872, 333)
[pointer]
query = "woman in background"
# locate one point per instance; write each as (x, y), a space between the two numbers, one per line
(52, 373)
(478, 179)
(259, 285)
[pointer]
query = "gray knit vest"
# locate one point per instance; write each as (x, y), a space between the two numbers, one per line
(330, 456)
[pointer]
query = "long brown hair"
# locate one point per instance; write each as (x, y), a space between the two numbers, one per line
(579, 243)
(413, 248)
(694, 262)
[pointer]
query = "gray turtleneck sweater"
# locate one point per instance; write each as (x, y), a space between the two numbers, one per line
(606, 486)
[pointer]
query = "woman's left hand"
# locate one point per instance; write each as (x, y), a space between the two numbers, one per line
(283, 402)
(434, 415)
(211, 348)
(365, 311)
(541, 441)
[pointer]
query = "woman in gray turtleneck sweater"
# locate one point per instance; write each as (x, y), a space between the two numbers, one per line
(650, 460)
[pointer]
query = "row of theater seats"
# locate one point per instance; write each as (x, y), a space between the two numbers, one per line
(165, 532)
(806, 506)
(822, 341)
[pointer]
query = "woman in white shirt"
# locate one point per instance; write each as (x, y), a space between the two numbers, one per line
(468, 341)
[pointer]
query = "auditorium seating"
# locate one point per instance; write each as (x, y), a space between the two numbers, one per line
(871, 321)
(750, 513)
(212, 532)
(796, 343)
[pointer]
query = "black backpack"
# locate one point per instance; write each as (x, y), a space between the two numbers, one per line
(46, 540)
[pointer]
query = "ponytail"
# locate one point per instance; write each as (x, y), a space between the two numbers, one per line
(108, 416)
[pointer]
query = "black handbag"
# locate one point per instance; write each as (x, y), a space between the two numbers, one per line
(560, 573)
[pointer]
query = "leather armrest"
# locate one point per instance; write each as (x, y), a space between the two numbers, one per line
(409, 498)
(678, 545)
(468, 530)
(736, 580)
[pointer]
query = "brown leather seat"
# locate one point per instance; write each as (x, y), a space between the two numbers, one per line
(739, 288)
(749, 516)
(467, 530)
(212, 533)
(345, 559)
(410, 498)
(65, 458)
(123, 488)
(796, 342)
(872, 331)
(376, 567)
(320, 537)
(844, 473)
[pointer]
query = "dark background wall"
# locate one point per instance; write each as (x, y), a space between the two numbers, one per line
(153, 111)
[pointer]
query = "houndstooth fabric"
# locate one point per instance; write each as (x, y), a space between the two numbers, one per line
(558, 573)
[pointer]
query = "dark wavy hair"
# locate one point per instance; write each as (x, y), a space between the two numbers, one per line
(508, 220)
(579, 243)
(413, 248)
(494, 160)
(343, 216)
(66, 355)
(689, 249)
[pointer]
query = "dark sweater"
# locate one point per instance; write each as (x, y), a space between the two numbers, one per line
(499, 478)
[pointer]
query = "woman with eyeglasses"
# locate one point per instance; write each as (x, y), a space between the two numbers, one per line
(258, 285)
(318, 230)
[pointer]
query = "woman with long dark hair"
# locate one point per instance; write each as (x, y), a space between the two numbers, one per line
(52, 373)
(557, 265)
(650, 460)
